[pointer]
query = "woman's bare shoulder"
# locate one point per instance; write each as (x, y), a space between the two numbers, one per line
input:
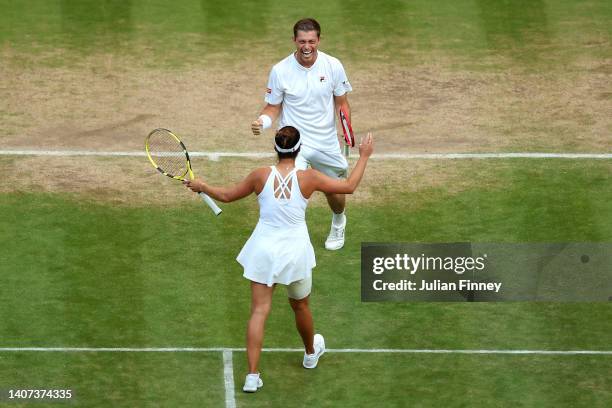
(261, 172)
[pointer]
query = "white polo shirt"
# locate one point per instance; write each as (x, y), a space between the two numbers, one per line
(307, 95)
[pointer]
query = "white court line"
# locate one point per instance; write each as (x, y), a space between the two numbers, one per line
(300, 350)
(228, 375)
(259, 155)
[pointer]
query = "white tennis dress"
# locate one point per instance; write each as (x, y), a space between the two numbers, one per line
(279, 249)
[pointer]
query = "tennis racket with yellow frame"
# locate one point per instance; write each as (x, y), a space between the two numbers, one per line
(168, 154)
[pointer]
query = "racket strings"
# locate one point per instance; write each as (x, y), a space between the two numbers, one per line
(168, 154)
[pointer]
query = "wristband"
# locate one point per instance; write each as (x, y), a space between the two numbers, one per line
(266, 121)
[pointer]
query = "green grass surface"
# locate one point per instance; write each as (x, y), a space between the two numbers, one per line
(195, 379)
(78, 273)
(91, 270)
(118, 380)
(528, 32)
(434, 381)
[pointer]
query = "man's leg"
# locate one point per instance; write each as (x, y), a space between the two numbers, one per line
(335, 239)
(336, 202)
(333, 165)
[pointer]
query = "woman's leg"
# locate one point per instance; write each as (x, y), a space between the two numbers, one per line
(303, 322)
(261, 303)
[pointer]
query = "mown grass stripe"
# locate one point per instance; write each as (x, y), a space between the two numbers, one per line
(296, 350)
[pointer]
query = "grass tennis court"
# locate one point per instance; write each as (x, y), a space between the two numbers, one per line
(101, 252)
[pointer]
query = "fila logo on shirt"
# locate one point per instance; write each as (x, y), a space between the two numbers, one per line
(322, 78)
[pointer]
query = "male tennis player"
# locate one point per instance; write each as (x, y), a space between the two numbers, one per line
(306, 89)
(279, 249)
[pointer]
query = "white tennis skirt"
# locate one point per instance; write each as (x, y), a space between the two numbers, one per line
(277, 255)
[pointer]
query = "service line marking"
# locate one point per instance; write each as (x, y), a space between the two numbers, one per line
(228, 376)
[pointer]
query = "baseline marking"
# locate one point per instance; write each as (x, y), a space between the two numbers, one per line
(228, 375)
(258, 155)
(229, 350)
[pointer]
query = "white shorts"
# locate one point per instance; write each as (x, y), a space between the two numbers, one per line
(299, 289)
(332, 164)
(296, 290)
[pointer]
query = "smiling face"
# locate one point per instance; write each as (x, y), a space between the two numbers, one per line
(306, 44)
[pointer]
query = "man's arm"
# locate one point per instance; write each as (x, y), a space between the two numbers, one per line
(342, 102)
(271, 111)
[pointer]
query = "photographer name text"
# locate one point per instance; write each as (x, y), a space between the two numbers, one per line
(436, 285)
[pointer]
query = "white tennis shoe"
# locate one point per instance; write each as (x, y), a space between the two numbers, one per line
(311, 360)
(252, 383)
(335, 239)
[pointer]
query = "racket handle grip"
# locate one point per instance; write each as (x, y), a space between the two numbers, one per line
(213, 206)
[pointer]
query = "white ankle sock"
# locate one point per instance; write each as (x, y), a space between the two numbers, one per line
(338, 219)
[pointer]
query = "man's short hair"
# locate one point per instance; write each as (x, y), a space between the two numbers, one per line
(307, 24)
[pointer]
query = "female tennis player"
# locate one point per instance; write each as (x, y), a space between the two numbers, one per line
(279, 250)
